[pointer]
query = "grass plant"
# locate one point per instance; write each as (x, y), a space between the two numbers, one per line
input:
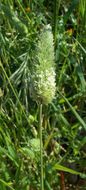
(42, 94)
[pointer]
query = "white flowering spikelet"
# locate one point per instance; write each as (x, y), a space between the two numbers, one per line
(43, 77)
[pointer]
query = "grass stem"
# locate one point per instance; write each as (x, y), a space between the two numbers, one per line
(41, 146)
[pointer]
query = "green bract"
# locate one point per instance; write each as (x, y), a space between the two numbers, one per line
(43, 84)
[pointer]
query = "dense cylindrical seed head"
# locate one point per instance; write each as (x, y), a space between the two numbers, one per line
(43, 84)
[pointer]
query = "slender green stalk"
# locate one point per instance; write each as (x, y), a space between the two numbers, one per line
(55, 19)
(23, 11)
(41, 146)
(56, 12)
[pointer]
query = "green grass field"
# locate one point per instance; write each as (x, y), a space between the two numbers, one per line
(42, 94)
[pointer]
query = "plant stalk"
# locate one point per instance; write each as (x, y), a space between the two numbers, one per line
(62, 181)
(56, 13)
(41, 146)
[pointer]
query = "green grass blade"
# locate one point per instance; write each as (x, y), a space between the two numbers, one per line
(7, 184)
(65, 169)
(74, 111)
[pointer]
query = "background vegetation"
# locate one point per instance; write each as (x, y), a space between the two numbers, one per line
(64, 121)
